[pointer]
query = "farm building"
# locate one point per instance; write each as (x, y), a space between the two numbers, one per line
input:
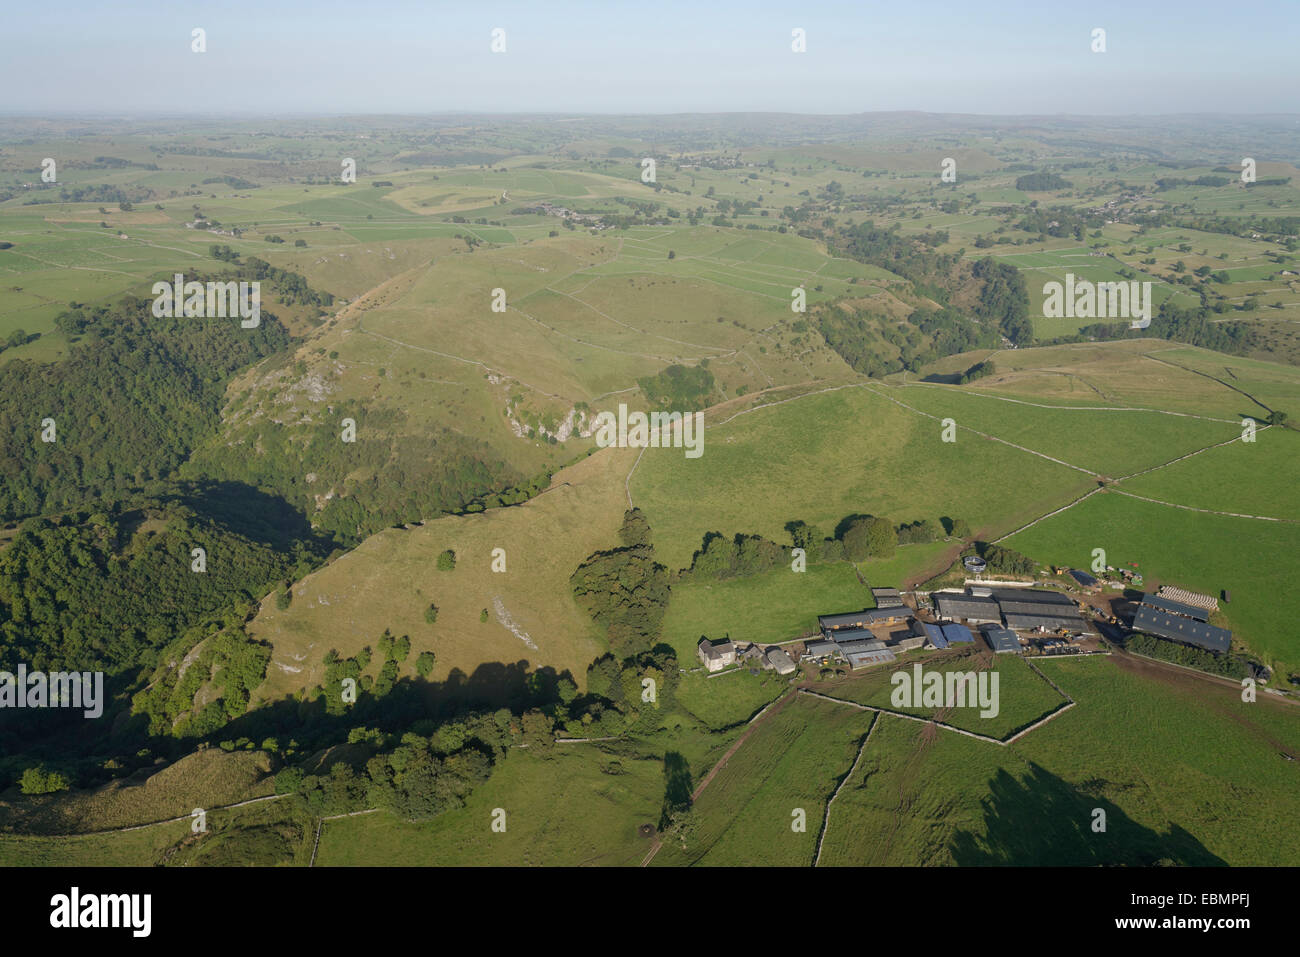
(851, 634)
(1001, 640)
(1083, 578)
(778, 659)
(1179, 628)
(821, 649)
(715, 657)
(1047, 619)
(957, 634)
(1189, 597)
(887, 615)
(887, 597)
(857, 647)
(954, 605)
(1036, 595)
(830, 624)
(860, 655)
(1175, 607)
(910, 643)
(934, 635)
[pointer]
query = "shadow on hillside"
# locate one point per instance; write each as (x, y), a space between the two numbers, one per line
(492, 686)
(250, 512)
(1042, 820)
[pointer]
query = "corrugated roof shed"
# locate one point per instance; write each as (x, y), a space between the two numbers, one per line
(865, 658)
(1188, 630)
(1175, 607)
(851, 634)
(857, 647)
(956, 634)
(886, 597)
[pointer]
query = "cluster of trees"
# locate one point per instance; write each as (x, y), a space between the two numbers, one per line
(859, 337)
(1004, 300)
(414, 775)
(679, 388)
(625, 590)
(129, 403)
(234, 182)
(1041, 182)
(977, 371)
(857, 538)
(1170, 182)
(1190, 657)
(1007, 561)
(92, 193)
(96, 592)
(906, 256)
(1192, 325)
(233, 662)
(1058, 221)
(619, 700)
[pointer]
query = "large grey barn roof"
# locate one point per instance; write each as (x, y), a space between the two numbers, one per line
(1175, 607)
(820, 648)
(1165, 625)
(845, 620)
(852, 634)
(1050, 622)
(956, 605)
(1052, 610)
(1039, 595)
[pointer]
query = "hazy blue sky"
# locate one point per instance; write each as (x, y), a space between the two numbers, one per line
(978, 56)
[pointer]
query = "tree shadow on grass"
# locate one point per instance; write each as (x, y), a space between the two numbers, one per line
(1042, 820)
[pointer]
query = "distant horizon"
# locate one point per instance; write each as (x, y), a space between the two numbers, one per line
(547, 113)
(330, 57)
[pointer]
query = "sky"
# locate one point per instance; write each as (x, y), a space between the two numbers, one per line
(406, 56)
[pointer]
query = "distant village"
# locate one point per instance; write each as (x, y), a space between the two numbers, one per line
(1009, 618)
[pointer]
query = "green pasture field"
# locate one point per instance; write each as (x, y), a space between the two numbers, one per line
(1177, 781)
(1107, 441)
(1023, 697)
(723, 701)
(1251, 478)
(825, 456)
(580, 806)
(794, 759)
